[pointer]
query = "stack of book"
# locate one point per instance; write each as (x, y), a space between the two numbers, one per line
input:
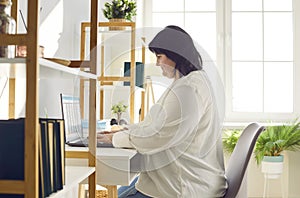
(51, 147)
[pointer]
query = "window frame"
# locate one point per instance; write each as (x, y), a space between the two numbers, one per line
(224, 63)
(232, 116)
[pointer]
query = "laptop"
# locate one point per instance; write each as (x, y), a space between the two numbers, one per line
(74, 132)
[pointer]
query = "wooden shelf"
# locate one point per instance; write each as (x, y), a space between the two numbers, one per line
(13, 39)
(32, 69)
(36, 69)
(74, 175)
(16, 67)
(131, 34)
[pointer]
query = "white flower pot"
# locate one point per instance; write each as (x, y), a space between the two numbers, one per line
(272, 166)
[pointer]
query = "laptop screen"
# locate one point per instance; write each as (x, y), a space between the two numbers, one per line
(72, 117)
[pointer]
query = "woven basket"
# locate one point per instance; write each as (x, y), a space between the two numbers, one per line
(101, 194)
(119, 28)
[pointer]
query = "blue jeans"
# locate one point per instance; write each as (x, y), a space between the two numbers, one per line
(130, 191)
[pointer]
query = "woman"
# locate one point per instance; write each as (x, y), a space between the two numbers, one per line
(180, 138)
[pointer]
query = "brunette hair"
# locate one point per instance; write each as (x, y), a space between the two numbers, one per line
(178, 46)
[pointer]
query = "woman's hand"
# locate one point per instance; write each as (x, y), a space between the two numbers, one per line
(105, 137)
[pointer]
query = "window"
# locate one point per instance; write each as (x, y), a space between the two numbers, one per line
(261, 62)
(198, 17)
(253, 43)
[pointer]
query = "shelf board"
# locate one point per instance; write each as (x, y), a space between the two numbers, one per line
(74, 175)
(106, 153)
(117, 87)
(15, 67)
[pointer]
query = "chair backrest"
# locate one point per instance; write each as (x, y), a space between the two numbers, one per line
(240, 157)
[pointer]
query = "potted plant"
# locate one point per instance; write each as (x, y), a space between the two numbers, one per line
(230, 139)
(118, 109)
(120, 11)
(270, 145)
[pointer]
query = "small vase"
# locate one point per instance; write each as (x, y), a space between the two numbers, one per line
(119, 115)
(117, 28)
(272, 166)
(7, 26)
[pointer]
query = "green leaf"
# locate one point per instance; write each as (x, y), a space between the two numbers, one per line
(276, 139)
(230, 139)
(119, 108)
(120, 9)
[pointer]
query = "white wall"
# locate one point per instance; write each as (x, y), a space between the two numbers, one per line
(4, 82)
(60, 22)
(65, 33)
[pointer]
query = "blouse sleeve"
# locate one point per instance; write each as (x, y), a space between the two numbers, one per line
(168, 123)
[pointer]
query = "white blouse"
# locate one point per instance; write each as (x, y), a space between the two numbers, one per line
(180, 142)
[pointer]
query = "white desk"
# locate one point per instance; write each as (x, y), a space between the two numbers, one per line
(112, 166)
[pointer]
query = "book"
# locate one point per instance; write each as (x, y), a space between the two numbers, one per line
(139, 73)
(12, 151)
(62, 145)
(56, 149)
(50, 133)
(45, 157)
(51, 143)
(41, 164)
(12, 145)
(57, 156)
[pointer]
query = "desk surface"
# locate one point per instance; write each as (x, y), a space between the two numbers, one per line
(112, 167)
(107, 152)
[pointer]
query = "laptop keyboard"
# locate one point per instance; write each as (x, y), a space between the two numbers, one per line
(85, 142)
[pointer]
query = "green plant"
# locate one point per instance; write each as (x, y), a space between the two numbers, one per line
(119, 108)
(276, 139)
(120, 9)
(230, 139)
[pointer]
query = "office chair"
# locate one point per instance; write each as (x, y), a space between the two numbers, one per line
(240, 157)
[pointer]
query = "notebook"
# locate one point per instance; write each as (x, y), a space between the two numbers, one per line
(74, 132)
